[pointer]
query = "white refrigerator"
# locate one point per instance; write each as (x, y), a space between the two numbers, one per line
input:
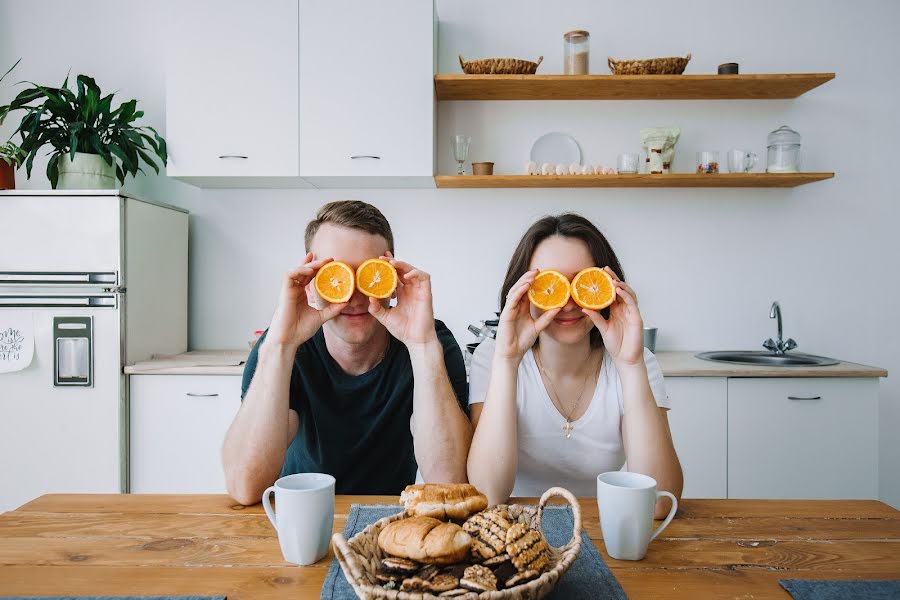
(90, 281)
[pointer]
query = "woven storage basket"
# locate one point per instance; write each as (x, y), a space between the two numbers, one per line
(672, 65)
(499, 66)
(360, 556)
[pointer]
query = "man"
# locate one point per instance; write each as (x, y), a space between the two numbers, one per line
(360, 390)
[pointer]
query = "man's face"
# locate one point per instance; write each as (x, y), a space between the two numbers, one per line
(354, 325)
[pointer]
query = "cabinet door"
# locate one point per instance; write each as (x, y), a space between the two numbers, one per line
(803, 438)
(699, 423)
(178, 423)
(366, 88)
(231, 88)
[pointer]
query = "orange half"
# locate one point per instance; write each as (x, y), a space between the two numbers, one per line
(377, 278)
(593, 288)
(549, 290)
(334, 282)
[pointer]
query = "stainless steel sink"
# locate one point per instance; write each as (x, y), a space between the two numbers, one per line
(754, 357)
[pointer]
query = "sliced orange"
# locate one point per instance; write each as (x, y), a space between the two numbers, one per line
(549, 290)
(377, 278)
(593, 288)
(334, 282)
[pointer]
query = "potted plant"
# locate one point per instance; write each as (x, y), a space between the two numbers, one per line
(93, 142)
(11, 157)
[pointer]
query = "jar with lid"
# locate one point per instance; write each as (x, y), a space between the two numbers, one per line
(783, 151)
(576, 47)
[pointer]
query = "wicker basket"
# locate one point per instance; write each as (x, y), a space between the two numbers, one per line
(360, 557)
(672, 65)
(499, 66)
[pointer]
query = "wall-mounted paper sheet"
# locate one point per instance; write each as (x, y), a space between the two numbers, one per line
(16, 340)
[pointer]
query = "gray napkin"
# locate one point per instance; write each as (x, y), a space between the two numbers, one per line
(826, 589)
(588, 577)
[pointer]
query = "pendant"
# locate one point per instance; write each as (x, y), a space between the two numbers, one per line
(568, 429)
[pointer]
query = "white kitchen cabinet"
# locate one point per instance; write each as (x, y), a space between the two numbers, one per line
(803, 438)
(231, 89)
(699, 423)
(367, 91)
(177, 425)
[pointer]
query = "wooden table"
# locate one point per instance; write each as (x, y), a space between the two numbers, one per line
(149, 544)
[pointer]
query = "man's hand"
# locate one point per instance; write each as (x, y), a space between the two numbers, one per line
(412, 320)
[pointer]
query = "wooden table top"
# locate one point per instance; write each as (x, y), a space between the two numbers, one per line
(202, 544)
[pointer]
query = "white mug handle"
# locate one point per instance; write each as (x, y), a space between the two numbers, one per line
(267, 505)
(669, 517)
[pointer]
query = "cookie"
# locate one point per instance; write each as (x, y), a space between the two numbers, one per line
(428, 572)
(527, 548)
(403, 566)
(503, 572)
(385, 576)
(496, 561)
(520, 578)
(488, 532)
(455, 570)
(435, 585)
(478, 578)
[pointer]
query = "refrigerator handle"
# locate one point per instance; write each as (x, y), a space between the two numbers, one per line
(108, 278)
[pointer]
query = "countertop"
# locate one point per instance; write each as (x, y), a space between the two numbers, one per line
(673, 364)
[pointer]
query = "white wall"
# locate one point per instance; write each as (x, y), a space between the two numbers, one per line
(706, 263)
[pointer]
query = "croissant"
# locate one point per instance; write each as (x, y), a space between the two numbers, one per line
(425, 539)
(456, 501)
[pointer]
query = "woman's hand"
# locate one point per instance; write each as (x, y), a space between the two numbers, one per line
(517, 330)
(623, 332)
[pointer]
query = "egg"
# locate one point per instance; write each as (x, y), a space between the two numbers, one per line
(547, 169)
(587, 170)
(532, 169)
(574, 168)
(598, 170)
(562, 169)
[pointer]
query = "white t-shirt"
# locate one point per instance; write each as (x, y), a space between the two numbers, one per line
(546, 457)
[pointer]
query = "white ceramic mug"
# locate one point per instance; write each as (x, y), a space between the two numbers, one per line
(305, 515)
(627, 502)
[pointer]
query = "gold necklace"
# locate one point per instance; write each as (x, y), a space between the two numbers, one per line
(567, 427)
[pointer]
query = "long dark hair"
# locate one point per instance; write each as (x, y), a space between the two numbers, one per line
(570, 225)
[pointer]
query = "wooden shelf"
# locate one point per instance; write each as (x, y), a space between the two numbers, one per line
(627, 87)
(696, 180)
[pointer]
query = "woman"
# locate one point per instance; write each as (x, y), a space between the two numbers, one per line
(564, 395)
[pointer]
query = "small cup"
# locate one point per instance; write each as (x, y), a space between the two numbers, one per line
(741, 161)
(627, 502)
(650, 338)
(628, 163)
(305, 515)
(482, 168)
(708, 161)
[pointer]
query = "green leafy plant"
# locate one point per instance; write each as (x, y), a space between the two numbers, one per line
(85, 121)
(12, 154)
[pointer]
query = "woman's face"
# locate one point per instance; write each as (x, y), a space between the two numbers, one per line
(568, 256)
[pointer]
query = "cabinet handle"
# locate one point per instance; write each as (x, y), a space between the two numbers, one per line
(804, 397)
(193, 395)
(368, 156)
(239, 156)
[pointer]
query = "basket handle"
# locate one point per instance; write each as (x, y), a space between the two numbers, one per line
(611, 63)
(540, 58)
(345, 557)
(576, 510)
(462, 63)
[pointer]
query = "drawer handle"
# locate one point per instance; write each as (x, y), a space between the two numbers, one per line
(804, 397)
(239, 156)
(193, 395)
(368, 156)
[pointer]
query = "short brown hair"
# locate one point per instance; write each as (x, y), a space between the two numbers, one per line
(354, 214)
(570, 225)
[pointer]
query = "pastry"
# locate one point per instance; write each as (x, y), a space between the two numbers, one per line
(496, 561)
(404, 566)
(435, 585)
(385, 576)
(426, 540)
(478, 579)
(527, 548)
(521, 577)
(488, 530)
(456, 501)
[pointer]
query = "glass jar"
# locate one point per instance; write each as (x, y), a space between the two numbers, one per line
(783, 151)
(576, 50)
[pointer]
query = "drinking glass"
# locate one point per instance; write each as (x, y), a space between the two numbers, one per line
(460, 145)
(741, 161)
(708, 161)
(628, 163)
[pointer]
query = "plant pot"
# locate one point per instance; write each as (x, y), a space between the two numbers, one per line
(85, 172)
(7, 176)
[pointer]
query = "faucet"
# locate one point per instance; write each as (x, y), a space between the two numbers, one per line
(778, 346)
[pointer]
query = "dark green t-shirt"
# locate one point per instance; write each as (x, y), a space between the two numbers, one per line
(357, 427)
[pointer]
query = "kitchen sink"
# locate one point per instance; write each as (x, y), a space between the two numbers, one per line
(755, 357)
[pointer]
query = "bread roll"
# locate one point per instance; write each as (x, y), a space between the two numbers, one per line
(443, 501)
(426, 540)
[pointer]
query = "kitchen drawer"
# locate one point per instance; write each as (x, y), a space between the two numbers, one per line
(803, 438)
(699, 423)
(178, 423)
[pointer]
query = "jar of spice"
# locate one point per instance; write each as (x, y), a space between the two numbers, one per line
(576, 48)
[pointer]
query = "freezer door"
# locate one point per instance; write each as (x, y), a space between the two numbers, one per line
(61, 439)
